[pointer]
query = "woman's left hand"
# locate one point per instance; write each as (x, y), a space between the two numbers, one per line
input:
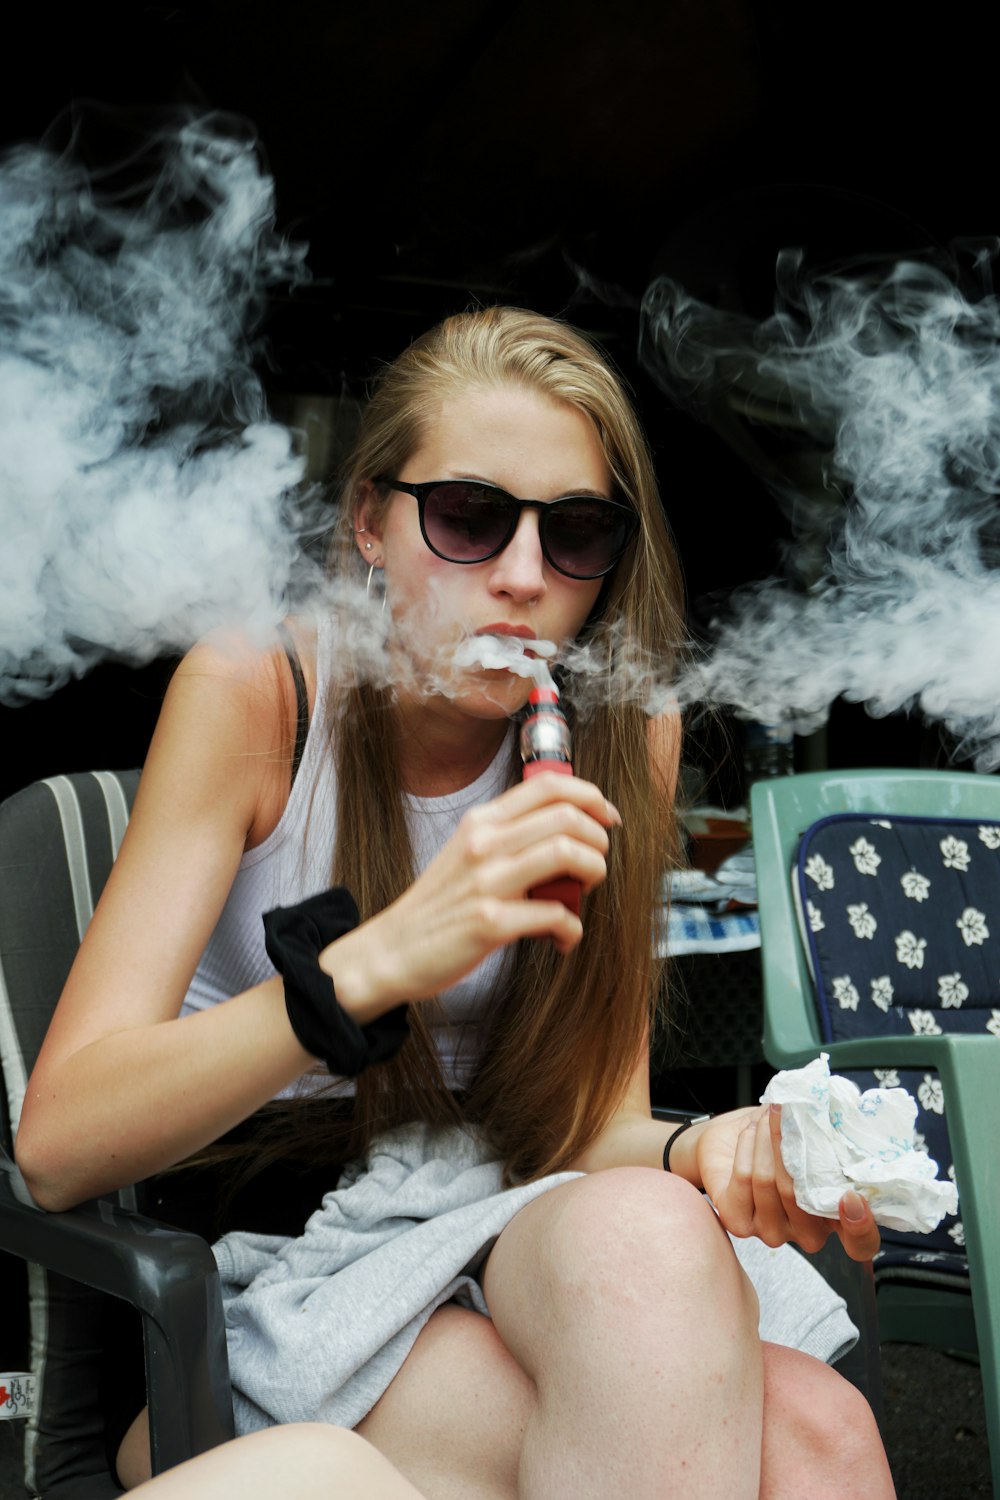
(739, 1162)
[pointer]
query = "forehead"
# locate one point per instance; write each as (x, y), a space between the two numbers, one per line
(521, 439)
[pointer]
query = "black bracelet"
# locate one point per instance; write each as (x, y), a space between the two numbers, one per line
(673, 1136)
(294, 937)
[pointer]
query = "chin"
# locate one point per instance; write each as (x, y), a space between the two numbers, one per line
(495, 698)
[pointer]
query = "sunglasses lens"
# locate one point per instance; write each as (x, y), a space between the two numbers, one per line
(465, 522)
(584, 538)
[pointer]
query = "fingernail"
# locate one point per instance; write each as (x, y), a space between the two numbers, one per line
(613, 812)
(853, 1206)
(775, 1111)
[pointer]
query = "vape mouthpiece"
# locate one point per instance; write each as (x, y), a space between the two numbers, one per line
(546, 745)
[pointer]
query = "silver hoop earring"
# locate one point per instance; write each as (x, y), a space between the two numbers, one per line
(368, 585)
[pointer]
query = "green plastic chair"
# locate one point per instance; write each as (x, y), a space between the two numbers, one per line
(968, 1066)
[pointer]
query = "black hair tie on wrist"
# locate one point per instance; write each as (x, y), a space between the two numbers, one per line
(294, 937)
(670, 1141)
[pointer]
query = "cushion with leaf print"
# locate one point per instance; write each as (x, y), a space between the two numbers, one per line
(901, 919)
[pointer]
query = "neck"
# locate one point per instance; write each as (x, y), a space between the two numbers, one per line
(436, 756)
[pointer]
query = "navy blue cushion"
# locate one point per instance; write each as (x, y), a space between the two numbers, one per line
(901, 918)
(902, 921)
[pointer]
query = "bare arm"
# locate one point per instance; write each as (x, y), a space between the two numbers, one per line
(123, 1086)
(736, 1159)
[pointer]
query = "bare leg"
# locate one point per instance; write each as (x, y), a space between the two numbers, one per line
(820, 1437)
(458, 1413)
(619, 1294)
(133, 1462)
(454, 1418)
(307, 1461)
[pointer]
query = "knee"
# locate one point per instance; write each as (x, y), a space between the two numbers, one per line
(818, 1417)
(639, 1236)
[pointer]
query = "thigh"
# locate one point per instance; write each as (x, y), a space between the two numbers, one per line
(453, 1419)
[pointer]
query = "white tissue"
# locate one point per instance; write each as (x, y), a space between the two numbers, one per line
(834, 1137)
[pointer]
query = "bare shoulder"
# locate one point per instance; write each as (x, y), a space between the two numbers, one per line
(223, 744)
(664, 734)
(214, 768)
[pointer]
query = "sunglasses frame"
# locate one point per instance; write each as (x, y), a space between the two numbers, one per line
(421, 491)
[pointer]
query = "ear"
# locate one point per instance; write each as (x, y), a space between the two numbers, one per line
(367, 519)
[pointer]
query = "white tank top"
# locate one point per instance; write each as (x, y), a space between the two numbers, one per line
(295, 861)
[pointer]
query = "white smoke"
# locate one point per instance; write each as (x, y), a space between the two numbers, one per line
(891, 382)
(145, 495)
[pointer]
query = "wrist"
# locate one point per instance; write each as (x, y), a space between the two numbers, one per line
(360, 974)
(294, 939)
(679, 1150)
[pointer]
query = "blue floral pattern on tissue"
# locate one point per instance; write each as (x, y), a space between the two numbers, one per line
(901, 917)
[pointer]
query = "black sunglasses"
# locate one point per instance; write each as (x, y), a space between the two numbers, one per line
(466, 521)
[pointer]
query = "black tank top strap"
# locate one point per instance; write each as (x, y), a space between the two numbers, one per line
(301, 699)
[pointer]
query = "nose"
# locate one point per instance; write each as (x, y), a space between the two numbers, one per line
(519, 570)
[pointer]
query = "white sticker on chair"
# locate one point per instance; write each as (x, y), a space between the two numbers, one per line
(17, 1395)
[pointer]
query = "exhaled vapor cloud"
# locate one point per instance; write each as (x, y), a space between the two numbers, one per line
(145, 496)
(894, 594)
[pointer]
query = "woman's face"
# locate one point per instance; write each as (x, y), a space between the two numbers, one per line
(535, 448)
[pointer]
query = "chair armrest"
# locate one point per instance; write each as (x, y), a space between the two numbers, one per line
(170, 1276)
(968, 1067)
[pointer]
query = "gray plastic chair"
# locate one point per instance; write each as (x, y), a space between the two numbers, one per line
(58, 840)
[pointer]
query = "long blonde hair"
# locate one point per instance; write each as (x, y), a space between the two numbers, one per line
(564, 1036)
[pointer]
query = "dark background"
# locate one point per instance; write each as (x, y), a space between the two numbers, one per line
(436, 152)
(430, 154)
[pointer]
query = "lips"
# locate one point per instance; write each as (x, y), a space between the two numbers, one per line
(522, 632)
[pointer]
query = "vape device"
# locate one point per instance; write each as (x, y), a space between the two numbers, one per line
(546, 745)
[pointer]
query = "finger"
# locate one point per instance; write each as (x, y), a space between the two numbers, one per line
(857, 1228)
(536, 919)
(557, 820)
(555, 857)
(737, 1204)
(783, 1180)
(770, 1212)
(774, 1125)
(551, 786)
(807, 1230)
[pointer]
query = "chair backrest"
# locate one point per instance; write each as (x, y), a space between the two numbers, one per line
(58, 841)
(901, 918)
(783, 812)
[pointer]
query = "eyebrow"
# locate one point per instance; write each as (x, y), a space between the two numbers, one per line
(584, 492)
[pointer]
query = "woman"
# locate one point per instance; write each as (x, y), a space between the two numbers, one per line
(621, 1354)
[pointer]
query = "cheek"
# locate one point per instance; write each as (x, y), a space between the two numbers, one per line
(427, 596)
(580, 607)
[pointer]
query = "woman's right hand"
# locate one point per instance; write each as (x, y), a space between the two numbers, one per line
(473, 897)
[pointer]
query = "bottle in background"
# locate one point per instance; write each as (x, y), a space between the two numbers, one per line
(768, 750)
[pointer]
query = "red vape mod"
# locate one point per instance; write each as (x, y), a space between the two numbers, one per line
(546, 745)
